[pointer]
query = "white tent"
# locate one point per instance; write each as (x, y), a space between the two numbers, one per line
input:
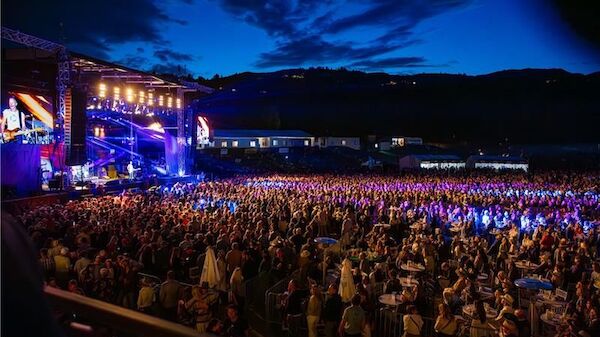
(210, 271)
(347, 287)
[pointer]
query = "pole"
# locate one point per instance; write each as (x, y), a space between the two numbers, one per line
(324, 264)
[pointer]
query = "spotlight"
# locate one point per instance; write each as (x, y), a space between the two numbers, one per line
(142, 97)
(178, 103)
(169, 102)
(117, 93)
(129, 95)
(161, 100)
(102, 90)
(150, 99)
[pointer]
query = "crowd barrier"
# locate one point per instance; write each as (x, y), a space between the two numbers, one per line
(98, 318)
(273, 296)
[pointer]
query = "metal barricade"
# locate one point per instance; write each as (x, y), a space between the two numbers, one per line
(273, 297)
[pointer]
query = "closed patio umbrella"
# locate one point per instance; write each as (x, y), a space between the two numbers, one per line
(210, 271)
(347, 287)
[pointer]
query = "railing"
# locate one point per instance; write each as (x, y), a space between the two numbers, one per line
(389, 323)
(273, 298)
(116, 318)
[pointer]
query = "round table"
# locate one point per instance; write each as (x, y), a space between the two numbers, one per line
(390, 299)
(554, 322)
(533, 284)
(552, 301)
(383, 225)
(486, 292)
(526, 265)
(482, 277)
(413, 267)
(326, 240)
(490, 312)
(408, 282)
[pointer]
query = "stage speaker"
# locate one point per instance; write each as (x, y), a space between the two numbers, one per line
(75, 126)
(54, 184)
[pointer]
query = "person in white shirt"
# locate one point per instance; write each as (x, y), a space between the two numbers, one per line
(507, 302)
(413, 322)
(12, 119)
(130, 169)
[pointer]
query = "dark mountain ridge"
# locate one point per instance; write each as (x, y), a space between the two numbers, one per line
(526, 106)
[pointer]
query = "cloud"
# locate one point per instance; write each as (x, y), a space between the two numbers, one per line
(385, 13)
(391, 62)
(170, 55)
(307, 31)
(90, 27)
(274, 17)
(170, 68)
(313, 49)
(133, 61)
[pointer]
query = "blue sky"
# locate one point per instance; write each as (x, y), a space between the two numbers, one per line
(204, 37)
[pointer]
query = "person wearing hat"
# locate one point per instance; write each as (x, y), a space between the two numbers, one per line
(200, 307)
(507, 307)
(413, 322)
(445, 324)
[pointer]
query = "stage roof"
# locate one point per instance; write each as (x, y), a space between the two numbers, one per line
(108, 70)
(90, 66)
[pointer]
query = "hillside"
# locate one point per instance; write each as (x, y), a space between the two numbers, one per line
(525, 106)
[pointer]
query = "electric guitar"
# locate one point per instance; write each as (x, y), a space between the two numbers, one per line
(10, 135)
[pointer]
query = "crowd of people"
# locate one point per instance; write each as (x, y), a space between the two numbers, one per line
(445, 248)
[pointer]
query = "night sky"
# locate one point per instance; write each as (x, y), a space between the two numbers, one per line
(205, 37)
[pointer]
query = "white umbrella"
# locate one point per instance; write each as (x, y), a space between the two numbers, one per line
(210, 270)
(347, 287)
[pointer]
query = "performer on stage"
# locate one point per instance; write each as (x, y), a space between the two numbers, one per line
(131, 170)
(12, 121)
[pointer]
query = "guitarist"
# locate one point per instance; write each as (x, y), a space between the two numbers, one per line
(12, 120)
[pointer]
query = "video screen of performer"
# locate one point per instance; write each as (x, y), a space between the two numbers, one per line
(26, 119)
